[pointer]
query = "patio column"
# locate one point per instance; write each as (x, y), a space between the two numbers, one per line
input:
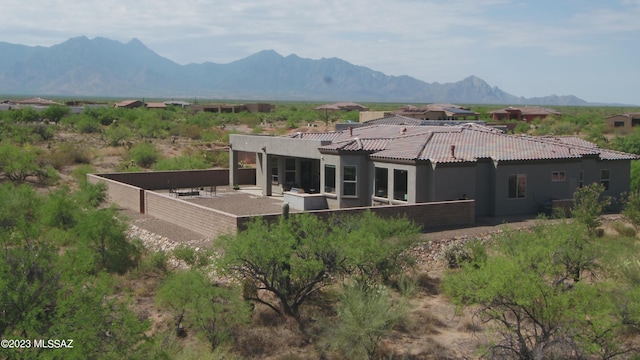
(263, 162)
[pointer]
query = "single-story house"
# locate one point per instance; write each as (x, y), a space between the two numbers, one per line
(623, 121)
(235, 108)
(527, 113)
(342, 106)
(156, 105)
(404, 164)
(438, 112)
(129, 104)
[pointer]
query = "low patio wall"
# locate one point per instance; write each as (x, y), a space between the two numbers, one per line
(427, 215)
(203, 220)
(212, 223)
(125, 195)
(182, 179)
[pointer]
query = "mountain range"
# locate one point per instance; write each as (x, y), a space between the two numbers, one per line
(103, 67)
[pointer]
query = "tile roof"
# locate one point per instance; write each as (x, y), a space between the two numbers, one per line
(461, 143)
(528, 110)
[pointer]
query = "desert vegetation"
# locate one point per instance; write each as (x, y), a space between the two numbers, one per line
(301, 287)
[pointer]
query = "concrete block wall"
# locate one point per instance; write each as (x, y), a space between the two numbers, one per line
(427, 215)
(203, 220)
(182, 179)
(126, 196)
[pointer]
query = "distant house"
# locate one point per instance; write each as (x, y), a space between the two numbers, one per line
(438, 112)
(235, 108)
(129, 104)
(155, 105)
(526, 114)
(342, 106)
(37, 101)
(623, 121)
(182, 104)
(404, 164)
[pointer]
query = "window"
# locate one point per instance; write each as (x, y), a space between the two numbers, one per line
(349, 180)
(274, 171)
(382, 181)
(290, 171)
(618, 124)
(581, 180)
(605, 178)
(517, 186)
(400, 185)
(558, 176)
(330, 179)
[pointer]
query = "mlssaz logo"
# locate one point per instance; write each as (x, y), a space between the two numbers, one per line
(54, 344)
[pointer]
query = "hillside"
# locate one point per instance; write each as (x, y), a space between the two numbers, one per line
(104, 67)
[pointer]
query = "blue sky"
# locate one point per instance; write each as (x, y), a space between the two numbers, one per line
(586, 48)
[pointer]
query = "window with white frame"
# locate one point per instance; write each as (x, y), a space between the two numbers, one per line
(517, 187)
(558, 176)
(605, 178)
(330, 179)
(349, 180)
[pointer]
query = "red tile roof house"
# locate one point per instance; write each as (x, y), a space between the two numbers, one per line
(403, 164)
(438, 112)
(527, 113)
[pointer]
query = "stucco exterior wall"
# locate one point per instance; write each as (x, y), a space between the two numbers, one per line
(484, 194)
(455, 182)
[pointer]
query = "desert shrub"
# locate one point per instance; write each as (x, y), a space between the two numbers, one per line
(364, 316)
(69, 153)
(45, 132)
(408, 285)
(563, 128)
(19, 162)
(623, 229)
(87, 125)
(588, 205)
(214, 311)
(631, 208)
(117, 134)
(471, 252)
(188, 130)
(190, 256)
(144, 154)
(218, 158)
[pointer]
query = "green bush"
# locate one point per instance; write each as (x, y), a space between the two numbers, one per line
(88, 125)
(144, 154)
(117, 134)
